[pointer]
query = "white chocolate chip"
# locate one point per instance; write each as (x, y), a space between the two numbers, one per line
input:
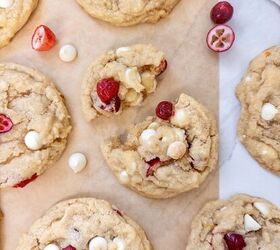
(124, 179)
(268, 111)
(68, 53)
(77, 162)
(149, 82)
(262, 207)
(6, 3)
(33, 140)
(132, 79)
(98, 243)
(180, 118)
(146, 135)
(120, 243)
(133, 97)
(122, 50)
(52, 247)
(250, 224)
(176, 150)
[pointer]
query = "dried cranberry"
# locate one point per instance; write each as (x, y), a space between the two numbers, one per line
(162, 67)
(43, 38)
(69, 248)
(6, 124)
(113, 106)
(234, 241)
(164, 110)
(153, 165)
(107, 89)
(222, 12)
(22, 184)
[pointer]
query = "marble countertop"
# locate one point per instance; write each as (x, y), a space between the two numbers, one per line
(256, 24)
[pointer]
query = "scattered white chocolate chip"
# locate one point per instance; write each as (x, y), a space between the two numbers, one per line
(98, 243)
(146, 135)
(68, 53)
(180, 118)
(52, 247)
(77, 162)
(122, 50)
(123, 177)
(33, 140)
(120, 243)
(250, 224)
(262, 207)
(268, 111)
(132, 79)
(6, 3)
(176, 150)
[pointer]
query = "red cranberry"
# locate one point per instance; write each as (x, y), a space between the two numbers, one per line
(113, 106)
(6, 124)
(222, 12)
(69, 248)
(164, 110)
(107, 89)
(22, 184)
(153, 165)
(43, 38)
(234, 241)
(162, 67)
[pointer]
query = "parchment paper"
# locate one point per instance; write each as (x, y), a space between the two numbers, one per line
(192, 69)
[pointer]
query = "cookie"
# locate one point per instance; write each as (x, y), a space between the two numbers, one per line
(128, 12)
(243, 222)
(259, 95)
(120, 79)
(160, 158)
(13, 15)
(84, 223)
(34, 125)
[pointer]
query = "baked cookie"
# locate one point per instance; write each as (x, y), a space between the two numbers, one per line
(168, 154)
(13, 15)
(121, 79)
(84, 223)
(128, 12)
(259, 95)
(243, 222)
(34, 125)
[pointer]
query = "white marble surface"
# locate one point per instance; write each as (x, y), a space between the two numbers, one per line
(257, 27)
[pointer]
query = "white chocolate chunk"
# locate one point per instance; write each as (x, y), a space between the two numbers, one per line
(250, 224)
(98, 243)
(262, 207)
(180, 118)
(133, 97)
(33, 140)
(77, 162)
(268, 112)
(149, 82)
(124, 179)
(132, 79)
(6, 3)
(120, 243)
(52, 247)
(176, 150)
(146, 135)
(68, 53)
(122, 50)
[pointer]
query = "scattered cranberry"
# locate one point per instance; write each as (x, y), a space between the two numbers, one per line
(153, 165)
(220, 38)
(164, 110)
(113, 106)
(69, 248)
(234, 241)
(6, 124)
(222, 12)
(162, 67)
(107, 89)
(43, 38)
(22, 184)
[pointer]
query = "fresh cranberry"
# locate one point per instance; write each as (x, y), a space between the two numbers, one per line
(162, 67)
(43, 38)
(22, 184)
(222, 12)
(107, 89)
(69, 248)
(153, 165)
(6, 124)
(113, 106)
(234, 241)
(164, 110)
(220, 38)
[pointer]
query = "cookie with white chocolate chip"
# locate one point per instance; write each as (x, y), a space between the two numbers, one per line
(128, 12)
(120, 79)
(84, 223)
(242, 222)
(13, 15)
(259, 95)
(34, 125)
(167, 154)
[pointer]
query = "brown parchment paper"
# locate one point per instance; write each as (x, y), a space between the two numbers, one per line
(192, 69)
